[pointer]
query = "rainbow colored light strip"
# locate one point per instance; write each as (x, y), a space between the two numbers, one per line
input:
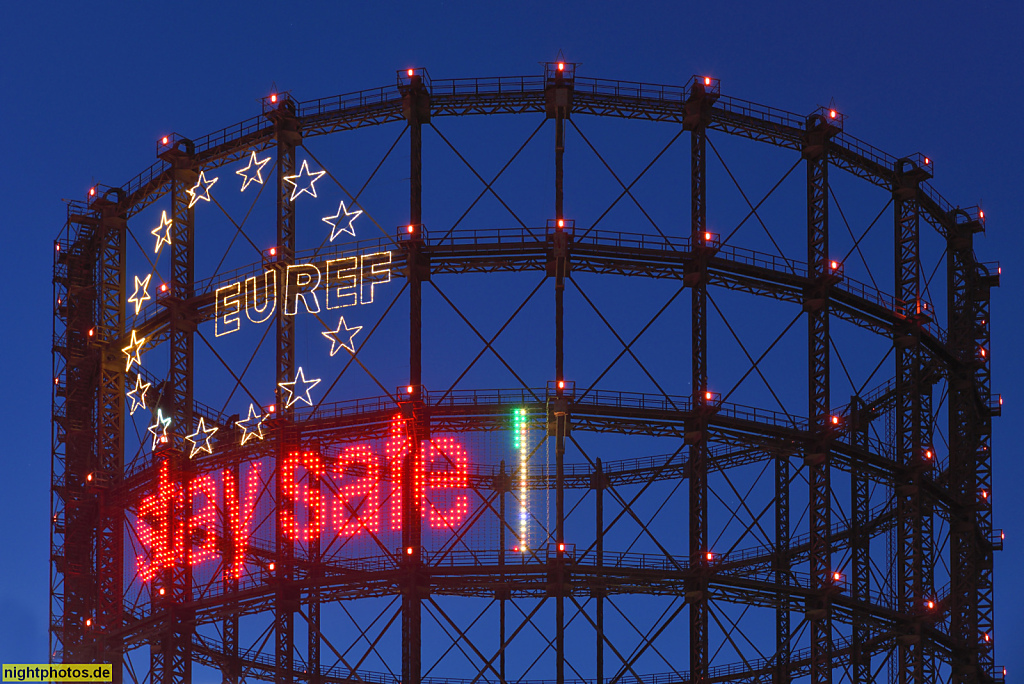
(521, 442)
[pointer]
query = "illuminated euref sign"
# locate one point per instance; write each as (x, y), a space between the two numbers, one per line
(338, 282)
(211, 515)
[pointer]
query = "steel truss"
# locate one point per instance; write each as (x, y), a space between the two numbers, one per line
(826, 629)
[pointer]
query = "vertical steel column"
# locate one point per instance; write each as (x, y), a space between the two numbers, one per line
(416, 107)
(558, 97)
(860, 541)
(110, 429)
(174, 663)
(231, 669)
(504, 485)
(76, 508)
(599, 485)
(313, 594)
(816, 304)
(289, 137)
(780, 674)
(981, 281)
(908, 444)
(697, 107)
(963, 446)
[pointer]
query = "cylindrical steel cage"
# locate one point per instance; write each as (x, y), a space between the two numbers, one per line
(669, 404)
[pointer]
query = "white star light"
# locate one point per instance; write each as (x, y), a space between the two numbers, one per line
(202, 443)
(250, 432)
(304, 171)
(257, 175)
(204, 183)
(336, 337)
(138, 395)
(135, 298)
(160, 422)
(294, 394)
(133, 351)
(336, 222)
(165, 223)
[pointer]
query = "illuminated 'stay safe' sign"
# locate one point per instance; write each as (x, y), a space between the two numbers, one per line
(341, 282)
(202, 519)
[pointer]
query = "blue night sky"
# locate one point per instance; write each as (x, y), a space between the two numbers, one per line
(89, 87)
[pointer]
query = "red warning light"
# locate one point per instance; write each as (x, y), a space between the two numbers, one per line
(88, 622)
(707, 80)
(163, 287)
(833, 265)
(837, 577)
(561, 66)
(88, 478)
(928, 454)
(273, 251)
(408, 389)
(927, 161)
(410, 73)
(92, 331)
(162, 591)
(707, 236)
(271, 408)
(57, 245)
(408, 550)
(831, 113)
(164, 140)
(981, 214)
(92, 191)
(273, 97)
(835, 420)
(707, 396)
(561, 223)
(410, 229)
(561, 548)
(271, 567)
(561, 384)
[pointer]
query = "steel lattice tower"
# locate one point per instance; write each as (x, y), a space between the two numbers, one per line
(851, 481)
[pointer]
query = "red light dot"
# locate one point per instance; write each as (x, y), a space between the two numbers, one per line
(88, 478)
(163, 287)
(273, 98)
(162, 591)
(271, 408)
(273, 251)
(410, 72)
(707, 236)
(561, 223)
(561, 547)
(981, 214)
(561, 384)
(832, 113)
(410, 229)
(88, 622)
(707, 396)
(835, 420)
(408, 390)
(836, 576)
(707, 81)
(92, 331)
(57, 246)
(710, 556)
(834, 265)
(931, 604)
(271, 567)
(92, 191)
(408, 551)
(561, 66)
(927, 161)
(163, 140)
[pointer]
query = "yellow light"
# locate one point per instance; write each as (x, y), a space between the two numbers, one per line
(165, 229)
(256, 165)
